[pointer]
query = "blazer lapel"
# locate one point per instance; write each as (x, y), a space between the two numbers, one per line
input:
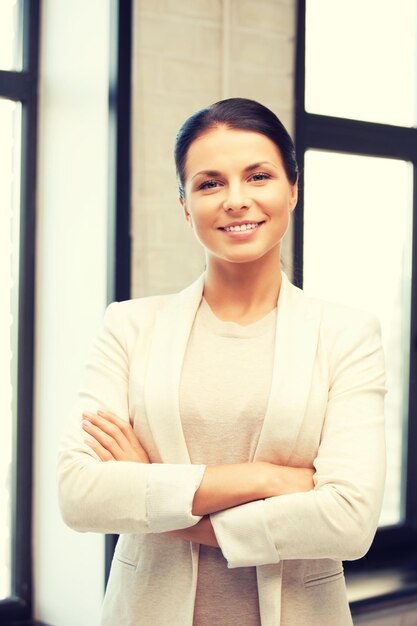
(296, 338)
(298, 322)
(161, 390)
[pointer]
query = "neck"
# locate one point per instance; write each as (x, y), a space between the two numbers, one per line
(243, 292)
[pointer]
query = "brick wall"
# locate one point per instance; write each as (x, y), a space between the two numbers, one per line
(188, 54)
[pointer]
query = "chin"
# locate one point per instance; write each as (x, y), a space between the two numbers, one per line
(243, 258)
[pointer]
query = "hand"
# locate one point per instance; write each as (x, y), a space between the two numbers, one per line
(202, 533)
(112, 438)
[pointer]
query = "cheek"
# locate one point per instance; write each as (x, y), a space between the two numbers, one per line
(284, 202)
(203, 211)
(275, 203)
(202, 225)
(198, 221)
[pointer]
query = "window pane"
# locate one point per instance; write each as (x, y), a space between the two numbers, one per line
(361, 60)
(9, 255)
(357, 251)
(10, 35)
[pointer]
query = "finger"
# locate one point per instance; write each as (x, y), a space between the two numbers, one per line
(124, 426)
(110, 428)
(123, 434)
(108, 442)
(114, 440)
(102, 453)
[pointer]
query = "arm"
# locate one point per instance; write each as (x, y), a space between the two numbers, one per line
(339, 517)
(222, 486)
(225, 486)
(134, 496)
(117, 497)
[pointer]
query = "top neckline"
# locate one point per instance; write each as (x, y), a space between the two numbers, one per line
(233, 329)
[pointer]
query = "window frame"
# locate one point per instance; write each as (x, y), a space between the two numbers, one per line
(394, 545)
(22, 86)
(120, 105)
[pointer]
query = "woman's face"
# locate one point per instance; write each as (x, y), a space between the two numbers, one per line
(237, 195)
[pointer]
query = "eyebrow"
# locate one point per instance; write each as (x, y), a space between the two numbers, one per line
(248, 168)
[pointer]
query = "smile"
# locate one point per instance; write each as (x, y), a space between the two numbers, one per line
(241, 227)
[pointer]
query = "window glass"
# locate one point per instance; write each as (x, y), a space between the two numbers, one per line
(9, 261)
(357, 251)
(10, 35)
(361, 60)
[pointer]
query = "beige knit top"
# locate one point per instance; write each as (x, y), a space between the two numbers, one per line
(224, 390)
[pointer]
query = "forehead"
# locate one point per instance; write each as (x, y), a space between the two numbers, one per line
(222, 148)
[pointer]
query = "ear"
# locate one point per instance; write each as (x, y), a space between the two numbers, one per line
(186, 213)
(294, 196)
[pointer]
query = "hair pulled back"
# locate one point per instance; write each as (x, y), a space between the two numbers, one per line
(238, 114)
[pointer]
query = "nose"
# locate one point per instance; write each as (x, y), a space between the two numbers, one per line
(235, 199)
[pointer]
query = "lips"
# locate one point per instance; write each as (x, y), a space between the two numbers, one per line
(240, 226)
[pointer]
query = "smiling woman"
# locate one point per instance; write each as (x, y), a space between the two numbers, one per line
(232, 433)
(247, 196)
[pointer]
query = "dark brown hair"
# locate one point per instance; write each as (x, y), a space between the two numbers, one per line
(239, 114)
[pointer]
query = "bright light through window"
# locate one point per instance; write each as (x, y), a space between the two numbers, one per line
(10, 43)
(9, 254)
(361, 60)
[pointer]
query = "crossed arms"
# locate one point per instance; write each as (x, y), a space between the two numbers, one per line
(222, 486)
(261, 513)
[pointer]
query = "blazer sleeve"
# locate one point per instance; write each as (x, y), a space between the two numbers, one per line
(339, 517)
(118, 496)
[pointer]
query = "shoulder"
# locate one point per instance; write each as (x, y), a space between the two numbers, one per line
(340, 326)
(334, 317)
(128, 321)
(351, 338)
(137, 311)
(350, 343)
(339, 318)
(142, 312)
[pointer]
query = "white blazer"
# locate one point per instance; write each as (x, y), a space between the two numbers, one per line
(325, 411)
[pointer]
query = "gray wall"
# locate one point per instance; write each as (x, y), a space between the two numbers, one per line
(188, 54)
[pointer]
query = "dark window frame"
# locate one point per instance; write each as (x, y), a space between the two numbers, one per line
(22, 86)
(120, 104)
(395, 547)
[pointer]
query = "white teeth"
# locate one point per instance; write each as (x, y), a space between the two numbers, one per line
(241, 227)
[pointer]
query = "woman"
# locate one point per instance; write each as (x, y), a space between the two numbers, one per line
(231, 433)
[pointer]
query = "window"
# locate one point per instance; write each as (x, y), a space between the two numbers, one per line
(19, 25)
(361, 60)
(354, 230)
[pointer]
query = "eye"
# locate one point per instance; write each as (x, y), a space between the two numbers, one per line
(209, 184)
(259, 177)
